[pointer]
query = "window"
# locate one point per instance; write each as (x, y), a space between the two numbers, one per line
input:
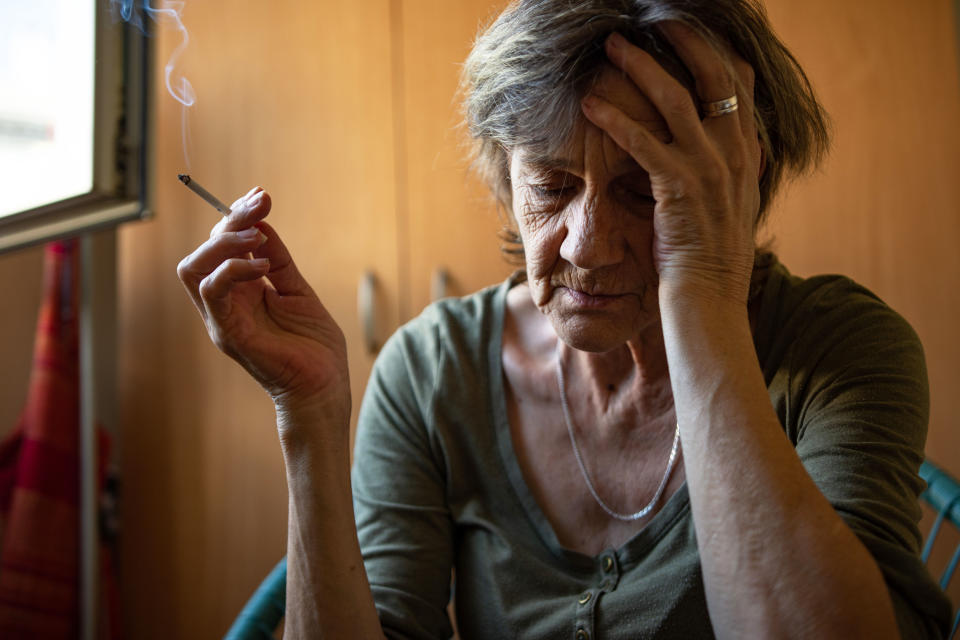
(72, 120)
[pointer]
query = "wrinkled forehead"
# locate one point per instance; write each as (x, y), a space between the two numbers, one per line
(614, 86)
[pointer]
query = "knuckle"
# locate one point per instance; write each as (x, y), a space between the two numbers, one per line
(745, 72)
(183, 269)
(737, 161)
(217, 337)
(713, 173)
(677, 101)
(636, 139)
(208, 286)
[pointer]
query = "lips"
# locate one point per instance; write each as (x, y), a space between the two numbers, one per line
(592, 300)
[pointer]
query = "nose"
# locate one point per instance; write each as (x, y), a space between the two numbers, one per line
(594, 236)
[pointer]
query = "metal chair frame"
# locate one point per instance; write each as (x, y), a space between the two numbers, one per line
(943, 494)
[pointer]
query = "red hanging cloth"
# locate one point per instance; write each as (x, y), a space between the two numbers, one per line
(39, 474)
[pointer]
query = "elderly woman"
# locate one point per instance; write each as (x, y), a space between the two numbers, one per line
(655, 430)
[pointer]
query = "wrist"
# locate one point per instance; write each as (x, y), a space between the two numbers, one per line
(315, 426)
(701, 299)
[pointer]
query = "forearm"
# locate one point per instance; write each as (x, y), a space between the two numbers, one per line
(778, 561)
(328, 595)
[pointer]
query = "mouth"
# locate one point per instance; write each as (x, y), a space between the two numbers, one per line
(592, 300)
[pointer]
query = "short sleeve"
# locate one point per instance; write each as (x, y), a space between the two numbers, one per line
(403, 521)
(858, 389)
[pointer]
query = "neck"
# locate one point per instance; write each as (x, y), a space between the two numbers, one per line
(634, 374)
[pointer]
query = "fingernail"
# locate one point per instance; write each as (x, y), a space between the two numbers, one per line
(589, 101)
(261, 263)
(615, 40)
(248, 234)
(263, 238)
(255, 200)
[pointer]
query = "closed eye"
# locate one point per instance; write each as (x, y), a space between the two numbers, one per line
(639, 196)
(550, 191)
(635, 189)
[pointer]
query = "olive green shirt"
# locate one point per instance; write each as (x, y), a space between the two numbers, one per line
(437, 486)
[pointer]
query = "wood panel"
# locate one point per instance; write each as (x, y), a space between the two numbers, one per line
(22, 287)
(885, 209)
(295, 97)
(450, 218)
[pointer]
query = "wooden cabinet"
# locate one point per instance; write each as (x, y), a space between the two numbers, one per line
(452, 222)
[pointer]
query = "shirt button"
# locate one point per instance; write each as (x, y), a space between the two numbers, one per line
(607, 564)
(585, 598)
(582, 634)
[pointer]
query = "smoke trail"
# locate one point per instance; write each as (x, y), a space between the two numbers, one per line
(133, 12)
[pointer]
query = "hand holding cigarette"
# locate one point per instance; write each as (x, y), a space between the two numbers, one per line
(260, 311)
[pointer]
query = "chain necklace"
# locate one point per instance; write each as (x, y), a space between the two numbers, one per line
(626, 517)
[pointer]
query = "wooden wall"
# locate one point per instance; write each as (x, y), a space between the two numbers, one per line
(343, 111)
(21, 289)
(885, 209)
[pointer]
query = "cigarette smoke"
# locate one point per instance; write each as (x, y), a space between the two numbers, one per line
(134, 12)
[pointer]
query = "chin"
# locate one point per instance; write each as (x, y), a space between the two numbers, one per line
(598, 334)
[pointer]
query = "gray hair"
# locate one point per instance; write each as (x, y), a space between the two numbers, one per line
(523, 81)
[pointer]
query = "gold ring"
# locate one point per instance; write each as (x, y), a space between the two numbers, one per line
(720, 107)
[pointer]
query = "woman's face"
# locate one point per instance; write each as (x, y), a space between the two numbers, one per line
(586, 220)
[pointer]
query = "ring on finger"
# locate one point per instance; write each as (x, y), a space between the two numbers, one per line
(720, 107)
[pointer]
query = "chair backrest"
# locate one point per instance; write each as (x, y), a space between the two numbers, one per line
(943, 494)
(263, 612)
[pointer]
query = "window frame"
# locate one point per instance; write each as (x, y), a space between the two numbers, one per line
(121, 190)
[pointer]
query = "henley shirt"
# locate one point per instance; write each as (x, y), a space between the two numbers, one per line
(438, 489)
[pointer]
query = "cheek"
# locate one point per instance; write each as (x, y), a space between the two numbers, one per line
(542, 237)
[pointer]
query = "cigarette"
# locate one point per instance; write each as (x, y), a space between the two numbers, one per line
(211, 199)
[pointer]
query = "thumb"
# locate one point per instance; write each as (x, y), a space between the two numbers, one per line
(283, 274)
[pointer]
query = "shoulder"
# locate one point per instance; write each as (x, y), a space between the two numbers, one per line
(830, 315)
(452, 331)
(833, 353)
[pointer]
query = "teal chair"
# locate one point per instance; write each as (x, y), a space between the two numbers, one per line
(264, 611)
(943, 494)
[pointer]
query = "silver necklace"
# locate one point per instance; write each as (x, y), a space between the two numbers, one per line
(626, 517)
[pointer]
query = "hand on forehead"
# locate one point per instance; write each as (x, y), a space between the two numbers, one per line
(616, 87)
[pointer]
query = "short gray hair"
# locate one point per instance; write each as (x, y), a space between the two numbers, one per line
(523, 81)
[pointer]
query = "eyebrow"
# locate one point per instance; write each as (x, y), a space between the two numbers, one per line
(554, 163)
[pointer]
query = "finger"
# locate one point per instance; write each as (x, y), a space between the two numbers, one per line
(215, 289)
(642, 144)
(283, 275)
(614, 86)
(208, 256)
(245, 212)
(711, 71)
(671, 98)
(745, 84)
